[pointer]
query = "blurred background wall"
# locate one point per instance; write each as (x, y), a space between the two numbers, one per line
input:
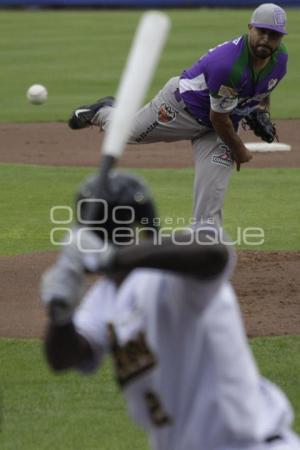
(144, 3)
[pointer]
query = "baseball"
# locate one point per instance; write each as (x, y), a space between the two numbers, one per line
(37, 94)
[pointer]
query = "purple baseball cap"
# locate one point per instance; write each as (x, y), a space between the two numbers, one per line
(270, 16)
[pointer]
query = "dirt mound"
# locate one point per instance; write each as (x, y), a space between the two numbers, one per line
(55, 144)
(267, 284)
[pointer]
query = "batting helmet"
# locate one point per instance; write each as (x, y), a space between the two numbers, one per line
(125, 203)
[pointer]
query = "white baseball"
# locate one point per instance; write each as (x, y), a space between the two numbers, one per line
(37, 94)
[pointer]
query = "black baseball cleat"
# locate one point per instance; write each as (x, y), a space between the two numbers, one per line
(83, 116)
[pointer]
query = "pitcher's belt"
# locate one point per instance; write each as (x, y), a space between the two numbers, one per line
(178, 98)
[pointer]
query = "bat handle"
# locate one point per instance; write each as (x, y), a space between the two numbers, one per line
(107, 163)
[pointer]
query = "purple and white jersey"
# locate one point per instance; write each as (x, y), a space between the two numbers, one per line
(224, 80)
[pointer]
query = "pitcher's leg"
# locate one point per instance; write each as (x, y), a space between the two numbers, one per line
(165, 119)
(213, 168)
(162, 119)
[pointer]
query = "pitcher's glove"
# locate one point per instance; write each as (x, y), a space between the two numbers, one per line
(259, 122)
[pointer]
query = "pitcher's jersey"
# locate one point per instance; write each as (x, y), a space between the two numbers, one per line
(183, 362)
(224, 80)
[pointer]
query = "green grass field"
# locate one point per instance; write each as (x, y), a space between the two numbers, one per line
(79, 57)
(253, 201)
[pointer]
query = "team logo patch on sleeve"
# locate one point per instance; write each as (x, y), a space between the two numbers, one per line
(227, 102)
(166, 113)
(223, 156)
(227, 91)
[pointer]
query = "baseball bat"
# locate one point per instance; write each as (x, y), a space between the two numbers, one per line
(143, 57)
